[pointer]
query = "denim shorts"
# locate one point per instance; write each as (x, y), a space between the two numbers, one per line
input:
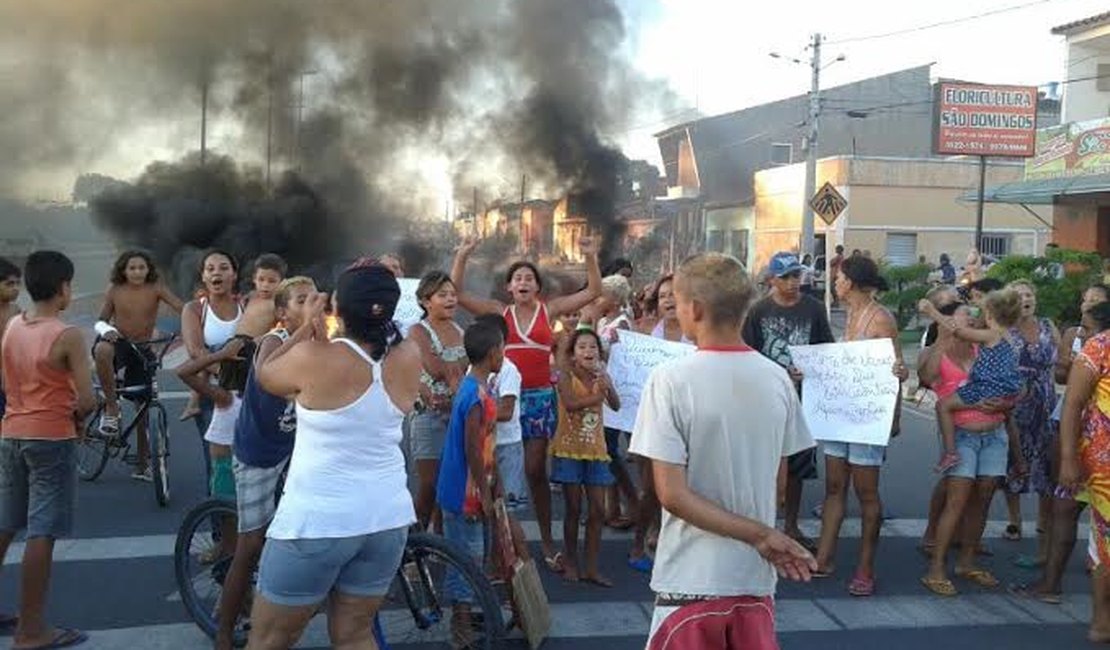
(856, 453)
(300, 572)
(38, 486)
(470, 536)
(982, 454)
(510, 468)
(427, 435)
(593, 473)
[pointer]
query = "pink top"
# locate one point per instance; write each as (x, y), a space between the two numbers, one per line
(41, 398)
(952, 376)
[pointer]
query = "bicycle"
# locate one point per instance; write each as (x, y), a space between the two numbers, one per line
(95, 448)
(414, 598)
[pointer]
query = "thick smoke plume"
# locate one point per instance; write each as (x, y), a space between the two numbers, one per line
(375, 111)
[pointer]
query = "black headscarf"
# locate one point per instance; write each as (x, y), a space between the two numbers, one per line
(366, 299)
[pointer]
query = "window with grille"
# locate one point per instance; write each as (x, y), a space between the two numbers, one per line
(901, 248)
(996, 245)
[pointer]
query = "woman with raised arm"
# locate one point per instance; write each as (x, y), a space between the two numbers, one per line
(528, 346)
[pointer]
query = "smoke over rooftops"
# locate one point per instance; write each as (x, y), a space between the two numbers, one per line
(485, 89)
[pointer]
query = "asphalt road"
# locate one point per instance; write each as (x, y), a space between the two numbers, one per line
(115, 579)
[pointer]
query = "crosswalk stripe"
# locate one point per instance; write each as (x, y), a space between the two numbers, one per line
(147, 546)
(632, 619)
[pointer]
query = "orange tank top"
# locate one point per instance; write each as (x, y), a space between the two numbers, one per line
(41, 398)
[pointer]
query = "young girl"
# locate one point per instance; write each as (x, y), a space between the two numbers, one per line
(530, 320)
(440, 340)
(995, 373)
(579, 458)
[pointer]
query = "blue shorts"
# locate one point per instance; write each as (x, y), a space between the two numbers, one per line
(572, 471)
(300, 572)
(538, 416)
(856, 453)
(469, 535)
(982, 454)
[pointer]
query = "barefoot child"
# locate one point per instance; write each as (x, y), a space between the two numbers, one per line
(579, 457)
(995, 372)
(10, 279)
(129, 315)
(530, 319)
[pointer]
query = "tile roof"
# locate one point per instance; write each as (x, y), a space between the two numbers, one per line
(1086, 23)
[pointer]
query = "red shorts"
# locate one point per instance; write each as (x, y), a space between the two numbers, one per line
(731, 623)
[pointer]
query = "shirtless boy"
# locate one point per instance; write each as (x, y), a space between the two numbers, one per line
(130, 313)
(259, 315)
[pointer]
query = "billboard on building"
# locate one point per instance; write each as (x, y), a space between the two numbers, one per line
(1073, 149)
(983, 120)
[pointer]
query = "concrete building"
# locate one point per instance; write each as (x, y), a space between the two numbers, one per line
(715, 160)
(1070, 173)
(899, 209)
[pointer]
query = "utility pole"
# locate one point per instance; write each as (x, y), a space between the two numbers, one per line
(204, 120)
(270, 132)
(806, 245)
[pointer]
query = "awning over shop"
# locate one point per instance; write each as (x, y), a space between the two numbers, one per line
(1042, 191)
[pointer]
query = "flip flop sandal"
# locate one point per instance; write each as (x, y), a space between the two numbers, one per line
(861, 587)
(1012, 533)
(643, 564)
(65, 638)
(555, 563)
(981, 577)
(1028, 562)
(943, 587)
(109, 425)
(1026, 591)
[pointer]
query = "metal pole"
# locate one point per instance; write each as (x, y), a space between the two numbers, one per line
(806, 245)
(204, 121)
(829, 277)
(979, 205)
(269, 133)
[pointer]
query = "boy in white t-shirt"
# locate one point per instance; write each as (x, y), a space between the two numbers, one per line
(717, 425)
(509, 450)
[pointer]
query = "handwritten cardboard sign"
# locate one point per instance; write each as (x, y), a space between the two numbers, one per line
(631, 360)
(408, 311)
(849, 392)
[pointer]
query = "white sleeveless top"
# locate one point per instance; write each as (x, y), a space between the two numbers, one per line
(218, 332)
(347, 474)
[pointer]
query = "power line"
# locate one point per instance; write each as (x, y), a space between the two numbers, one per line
(943, 23)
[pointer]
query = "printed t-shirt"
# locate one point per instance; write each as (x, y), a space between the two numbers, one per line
(729, 417)
(453, 486)
(580, 435)
(771, 328)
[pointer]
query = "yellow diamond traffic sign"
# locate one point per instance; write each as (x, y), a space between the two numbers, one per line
(828, 203)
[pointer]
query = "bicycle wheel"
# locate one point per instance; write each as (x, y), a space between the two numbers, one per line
(159, 453)
(201, 562)
(92, 450)
(417, 611)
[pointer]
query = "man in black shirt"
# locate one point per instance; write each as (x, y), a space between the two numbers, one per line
(788, 317)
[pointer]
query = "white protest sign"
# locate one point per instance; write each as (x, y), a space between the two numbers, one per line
(408, 311)
(631, 360)
(849, 391)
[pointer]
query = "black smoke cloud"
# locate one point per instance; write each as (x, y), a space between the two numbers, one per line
(356, 96)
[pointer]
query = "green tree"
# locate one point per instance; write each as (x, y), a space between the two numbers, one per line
(1060, 277)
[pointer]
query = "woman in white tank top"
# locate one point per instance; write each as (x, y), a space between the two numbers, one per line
(206, 325)
(341, 526)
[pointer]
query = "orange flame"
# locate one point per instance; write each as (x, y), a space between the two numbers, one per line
(333, 325)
